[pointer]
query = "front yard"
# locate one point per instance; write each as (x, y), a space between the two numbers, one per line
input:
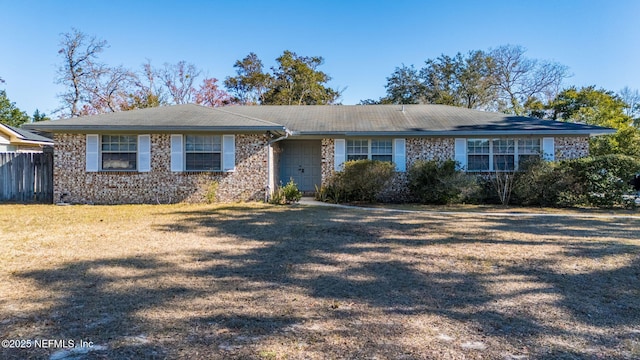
(255, 281)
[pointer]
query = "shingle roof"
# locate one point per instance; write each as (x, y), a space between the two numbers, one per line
(415, 119)
(347, 120)
(187, 117)
(24, 135)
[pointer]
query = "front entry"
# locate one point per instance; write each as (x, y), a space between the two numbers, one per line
(301, 161)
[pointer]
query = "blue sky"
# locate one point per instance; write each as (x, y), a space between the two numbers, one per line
(362, 42)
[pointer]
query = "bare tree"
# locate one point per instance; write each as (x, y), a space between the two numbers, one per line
(519, 79)
(107, 88)
(179, 80)
(632, 100)
(79, 53)
(144, 91)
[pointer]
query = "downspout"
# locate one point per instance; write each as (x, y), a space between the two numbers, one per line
(268, 190)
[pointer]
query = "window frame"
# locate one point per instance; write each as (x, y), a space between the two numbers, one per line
(483, 154)
(102, 152)
(369, 155)
(521, 147)
(220, 152)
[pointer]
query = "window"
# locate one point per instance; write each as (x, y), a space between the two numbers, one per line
(478, 155)
(375, 149)
(382, 150)
(203, 152)
(500, 154)
(357, 149)
(528, 150)
(504, 156)
(119, 152)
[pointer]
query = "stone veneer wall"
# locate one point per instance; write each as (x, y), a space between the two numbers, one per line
(160, 185)
(571, 147)
(417, 149)
(327, 152)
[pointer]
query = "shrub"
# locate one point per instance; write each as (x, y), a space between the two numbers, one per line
(604, 180)
(212, 190)
(601, 181)
(360, 180)
(438, 182)
(286, 194)
(543, 183)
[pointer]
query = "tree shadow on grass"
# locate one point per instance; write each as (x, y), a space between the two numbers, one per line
(397, 287)
(348, 263)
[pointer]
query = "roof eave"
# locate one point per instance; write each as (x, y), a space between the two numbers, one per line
(154, 129)
(585, 132)
(32, 142)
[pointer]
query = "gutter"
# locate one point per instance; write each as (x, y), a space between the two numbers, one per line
(465, 133)
(152, 129)
(271, 184)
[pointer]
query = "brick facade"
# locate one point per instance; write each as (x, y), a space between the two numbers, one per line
(571, 147)
(426, 149)
(73, 184)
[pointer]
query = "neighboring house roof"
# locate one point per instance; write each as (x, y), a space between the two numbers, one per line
(335, 120)
(24, 137)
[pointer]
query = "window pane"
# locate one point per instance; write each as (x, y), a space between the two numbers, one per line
(503, 162)
(478, 146)
(203, 162)
(118, 161)
(529, 146)
(189, 142)
(358, 148)
(357, 157)
(379, 146)
(478, 163)
(388, 158)
(119, 152)
(203, 143)
(503, 146)
(524, 160)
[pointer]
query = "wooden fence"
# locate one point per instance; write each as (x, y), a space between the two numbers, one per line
(26, 177)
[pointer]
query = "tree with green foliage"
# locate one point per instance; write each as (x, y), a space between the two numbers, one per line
(501, 79)
(602, 108)
(404, 86)
(297, 81)
(459, 81)
(251, 83)
(9, 113)
(38, 116)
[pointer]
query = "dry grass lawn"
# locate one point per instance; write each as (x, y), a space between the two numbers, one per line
(251, 281)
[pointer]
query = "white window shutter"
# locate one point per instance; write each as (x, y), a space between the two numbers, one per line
(177, 150)
(228, 152)
(548, 149)
(461, 153)
(144, 153)
(339, 154)
(93, 153)
(399, 154)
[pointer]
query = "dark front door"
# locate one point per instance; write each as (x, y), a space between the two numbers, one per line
(300, 160)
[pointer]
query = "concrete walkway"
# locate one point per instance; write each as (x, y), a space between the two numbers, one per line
(309, 201)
